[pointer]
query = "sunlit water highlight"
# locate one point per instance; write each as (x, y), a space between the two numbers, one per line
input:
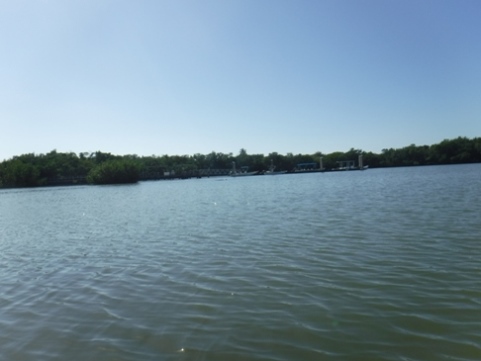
(375, 265)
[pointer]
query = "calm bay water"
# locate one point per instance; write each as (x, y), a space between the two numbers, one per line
(383, 264)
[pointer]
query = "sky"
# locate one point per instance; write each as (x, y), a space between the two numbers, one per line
(180, 77)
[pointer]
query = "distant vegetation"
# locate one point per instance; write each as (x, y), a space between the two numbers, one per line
(33, 170)
(114, 171)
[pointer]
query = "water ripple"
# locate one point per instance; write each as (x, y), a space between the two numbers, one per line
(263, 268)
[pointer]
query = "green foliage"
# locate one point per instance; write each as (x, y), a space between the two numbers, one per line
(54, 168)
(114, 171)
(453, 151)
(18, 173)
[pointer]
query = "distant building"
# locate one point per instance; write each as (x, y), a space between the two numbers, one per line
(306, 166)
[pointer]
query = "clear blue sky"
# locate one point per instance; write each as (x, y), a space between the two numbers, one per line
(184, 77)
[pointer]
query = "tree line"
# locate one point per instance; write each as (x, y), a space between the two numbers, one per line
(53, 168)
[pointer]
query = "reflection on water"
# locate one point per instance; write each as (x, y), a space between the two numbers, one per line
(375, 265)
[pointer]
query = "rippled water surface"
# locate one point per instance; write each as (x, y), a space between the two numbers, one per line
(383, 264)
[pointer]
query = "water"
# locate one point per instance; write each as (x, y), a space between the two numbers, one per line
(377, 265)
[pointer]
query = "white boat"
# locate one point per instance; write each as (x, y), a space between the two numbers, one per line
(272, 170)
(242, 173)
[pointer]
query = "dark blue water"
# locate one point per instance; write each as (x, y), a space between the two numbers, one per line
(375, 265)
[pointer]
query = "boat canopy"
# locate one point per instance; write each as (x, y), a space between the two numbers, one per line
(306, 165)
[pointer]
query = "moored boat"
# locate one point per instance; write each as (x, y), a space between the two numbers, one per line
(244, 171)
(272, 170)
